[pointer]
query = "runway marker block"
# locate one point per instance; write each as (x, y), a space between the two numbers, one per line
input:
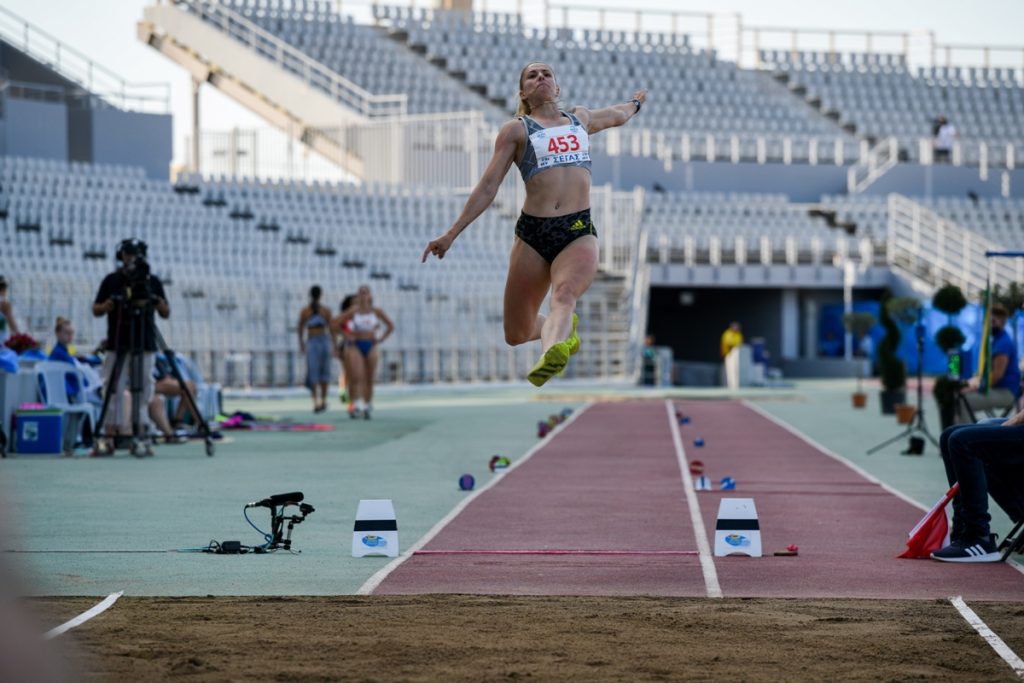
(375, 533)
(737, 531)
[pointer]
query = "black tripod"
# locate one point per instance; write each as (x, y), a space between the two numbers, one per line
(917, 425)
(279, 537)
(140, 319)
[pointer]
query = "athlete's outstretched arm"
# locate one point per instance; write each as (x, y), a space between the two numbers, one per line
(609, 117)
(484, 192)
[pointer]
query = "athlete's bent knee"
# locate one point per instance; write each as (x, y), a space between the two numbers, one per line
(516, 337)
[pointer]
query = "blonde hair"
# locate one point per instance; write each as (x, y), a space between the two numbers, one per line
(59, 325)
(524, 106)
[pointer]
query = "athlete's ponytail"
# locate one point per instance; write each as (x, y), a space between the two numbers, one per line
(314, 298)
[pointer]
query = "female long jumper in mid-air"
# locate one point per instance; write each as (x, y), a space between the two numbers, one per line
(556, 243)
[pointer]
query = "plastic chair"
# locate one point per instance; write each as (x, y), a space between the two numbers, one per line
(53, 392)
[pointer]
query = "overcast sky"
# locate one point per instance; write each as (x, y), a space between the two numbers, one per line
(105, 31)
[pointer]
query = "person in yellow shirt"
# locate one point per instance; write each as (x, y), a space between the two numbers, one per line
(731, 338)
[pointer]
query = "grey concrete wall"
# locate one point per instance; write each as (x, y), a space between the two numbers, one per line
(824, 367)
(800, 182)
(80, 134)
(20, 67)
(35, 129)
(942, 180)
(134, 139)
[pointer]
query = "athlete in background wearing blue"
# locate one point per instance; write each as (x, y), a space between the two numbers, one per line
(556, 244)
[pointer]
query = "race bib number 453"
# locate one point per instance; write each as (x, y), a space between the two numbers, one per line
(561, 145)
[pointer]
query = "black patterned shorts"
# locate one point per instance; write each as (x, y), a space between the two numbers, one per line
(549, 236)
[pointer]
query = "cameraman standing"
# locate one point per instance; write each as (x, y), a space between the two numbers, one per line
(128, 297)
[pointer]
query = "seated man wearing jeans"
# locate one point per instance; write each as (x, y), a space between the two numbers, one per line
(1004, 375)
(971, 453)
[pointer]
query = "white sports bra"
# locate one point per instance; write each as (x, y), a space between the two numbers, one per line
(365, 322)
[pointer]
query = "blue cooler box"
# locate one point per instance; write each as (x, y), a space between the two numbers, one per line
(38, 431)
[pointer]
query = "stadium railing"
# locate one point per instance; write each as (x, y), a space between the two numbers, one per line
(880, 159)
(934, 250)
(95, 79)
(294, 61)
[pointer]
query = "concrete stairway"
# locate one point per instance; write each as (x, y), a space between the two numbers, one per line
(263, 73)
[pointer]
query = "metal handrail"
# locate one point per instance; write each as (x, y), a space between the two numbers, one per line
(75, 66)
(880, 159)
(936, 249)
(291, 59)
(639, 294)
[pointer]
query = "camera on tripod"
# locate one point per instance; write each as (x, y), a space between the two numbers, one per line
(130, 297)
(137, 273)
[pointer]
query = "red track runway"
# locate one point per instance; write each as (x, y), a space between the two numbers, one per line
(605, 500)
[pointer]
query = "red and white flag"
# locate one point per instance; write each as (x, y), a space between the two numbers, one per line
(932, 532)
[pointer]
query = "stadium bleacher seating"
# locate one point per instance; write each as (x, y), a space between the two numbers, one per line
(240, 252)
(448, 61)
(361, 54)
(881, 96)
(229, 247)
(739, 228)
(996, 219)
(696, 91)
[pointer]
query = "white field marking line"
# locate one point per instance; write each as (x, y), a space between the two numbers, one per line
(100, 608)
(371, 583)
(1001, 648)
(832, 454)
(707, 562)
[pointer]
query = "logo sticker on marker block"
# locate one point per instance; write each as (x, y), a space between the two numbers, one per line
(376, 530)
(737, 531)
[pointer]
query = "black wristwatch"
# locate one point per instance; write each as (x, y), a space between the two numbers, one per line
(637, 104)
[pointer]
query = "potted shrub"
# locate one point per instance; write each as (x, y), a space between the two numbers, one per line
(859, 323)
(891, 369)
(950, 300)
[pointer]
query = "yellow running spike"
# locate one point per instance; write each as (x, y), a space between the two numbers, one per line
(551, 363)
(573, 340)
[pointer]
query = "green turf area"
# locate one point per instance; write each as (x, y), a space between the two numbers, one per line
(414, 450)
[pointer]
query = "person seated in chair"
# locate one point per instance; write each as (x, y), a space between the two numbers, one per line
(1004, 386)
(167, 385)
(64, 351)
(970, 454)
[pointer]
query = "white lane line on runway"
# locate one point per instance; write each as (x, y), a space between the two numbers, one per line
(1001, 648)
(371, 583)
(84, 616)
(707, 562)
